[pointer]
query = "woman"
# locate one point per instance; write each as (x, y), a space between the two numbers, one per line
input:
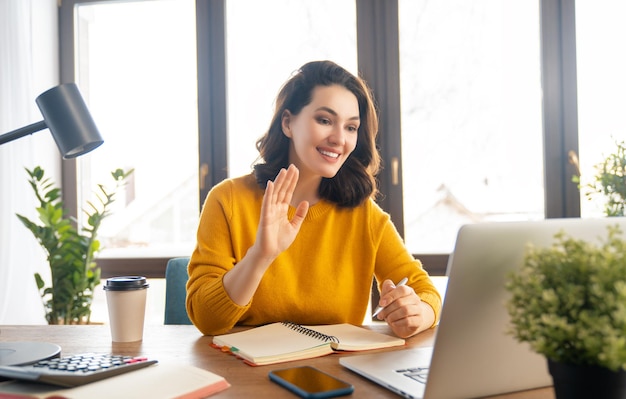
(301, 238)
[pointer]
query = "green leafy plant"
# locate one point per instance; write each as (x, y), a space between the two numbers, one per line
(609, 180)
(70, 251)
(568, 301)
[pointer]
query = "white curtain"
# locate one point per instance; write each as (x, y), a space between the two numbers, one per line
(28, 66)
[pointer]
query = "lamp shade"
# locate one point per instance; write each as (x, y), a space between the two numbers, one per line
(68, 119)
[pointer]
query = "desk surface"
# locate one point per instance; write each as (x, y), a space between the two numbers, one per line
(185, 344)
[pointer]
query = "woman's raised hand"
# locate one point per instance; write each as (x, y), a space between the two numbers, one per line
(276, 232)
(274, 235)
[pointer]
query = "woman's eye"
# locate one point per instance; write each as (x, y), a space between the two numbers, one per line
(324, 121)
(353, 129)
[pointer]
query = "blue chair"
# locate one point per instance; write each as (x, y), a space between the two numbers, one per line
(176, 291)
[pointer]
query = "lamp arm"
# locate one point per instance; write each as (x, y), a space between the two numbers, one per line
(23, 131)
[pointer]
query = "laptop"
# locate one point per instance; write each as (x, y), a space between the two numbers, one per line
(473, 356)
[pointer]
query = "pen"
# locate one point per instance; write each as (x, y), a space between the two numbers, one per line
(378, 309)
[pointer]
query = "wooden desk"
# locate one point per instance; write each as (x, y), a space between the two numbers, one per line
(185, 344)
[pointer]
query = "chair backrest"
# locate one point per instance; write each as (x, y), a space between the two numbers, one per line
(176, 291)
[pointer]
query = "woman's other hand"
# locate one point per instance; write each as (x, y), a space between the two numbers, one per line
(403, 310)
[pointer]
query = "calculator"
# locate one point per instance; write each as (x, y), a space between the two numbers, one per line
(75, 370)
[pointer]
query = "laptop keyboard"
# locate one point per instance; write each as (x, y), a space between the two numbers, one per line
(419, 374)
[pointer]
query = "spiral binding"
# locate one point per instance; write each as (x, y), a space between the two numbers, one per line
(311, 333)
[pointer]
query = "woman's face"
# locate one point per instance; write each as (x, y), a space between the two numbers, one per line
(324, 133)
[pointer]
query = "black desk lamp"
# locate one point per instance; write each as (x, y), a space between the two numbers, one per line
(66, 115)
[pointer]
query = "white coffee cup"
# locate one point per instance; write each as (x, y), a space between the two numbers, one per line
(126, 300)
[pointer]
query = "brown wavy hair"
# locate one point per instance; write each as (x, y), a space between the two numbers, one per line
(355, 181)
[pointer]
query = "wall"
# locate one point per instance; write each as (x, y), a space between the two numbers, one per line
(30, 65)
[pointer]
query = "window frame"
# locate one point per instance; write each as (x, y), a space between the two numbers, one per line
(378, 59)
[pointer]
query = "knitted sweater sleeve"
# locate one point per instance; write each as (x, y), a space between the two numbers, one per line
(208, 305)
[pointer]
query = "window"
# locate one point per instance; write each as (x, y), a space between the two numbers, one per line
(136, 67)
(471, 117)
(477, 98)
(601, 82)
(288, 35)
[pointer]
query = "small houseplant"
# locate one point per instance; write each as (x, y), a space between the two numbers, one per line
(609, 181)
(568, 301)
(70, 250)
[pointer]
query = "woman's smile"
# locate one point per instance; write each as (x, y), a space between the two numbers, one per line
(329, 154)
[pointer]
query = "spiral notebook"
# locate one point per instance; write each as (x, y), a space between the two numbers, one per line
(285, 341)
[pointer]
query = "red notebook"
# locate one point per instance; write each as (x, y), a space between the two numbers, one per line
(162, 380)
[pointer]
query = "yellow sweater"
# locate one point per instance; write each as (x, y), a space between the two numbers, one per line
(324, 277)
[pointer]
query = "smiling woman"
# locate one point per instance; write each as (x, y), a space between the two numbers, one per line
(265, 240)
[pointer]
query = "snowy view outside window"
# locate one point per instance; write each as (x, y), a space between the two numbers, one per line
(471, 116)
(601, 86)
(137, 70)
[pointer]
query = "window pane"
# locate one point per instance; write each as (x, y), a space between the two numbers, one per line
(601, 85)
(268, 40)
(136, 67)
(471, 116)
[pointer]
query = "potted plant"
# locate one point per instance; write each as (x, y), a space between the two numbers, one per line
(609, 180)
(70, 250)
(568, 301)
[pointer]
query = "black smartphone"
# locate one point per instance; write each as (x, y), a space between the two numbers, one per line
(309, 382)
